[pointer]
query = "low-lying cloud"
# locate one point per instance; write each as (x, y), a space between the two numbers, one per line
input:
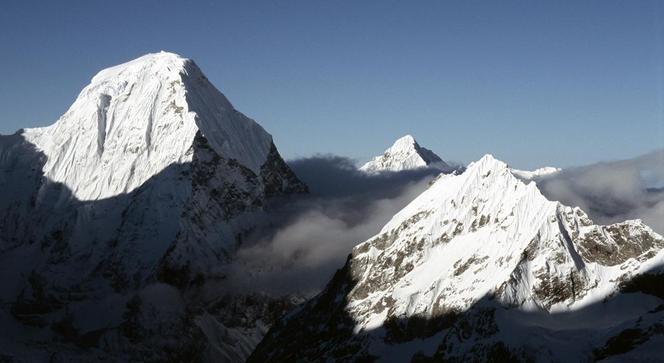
(309, 238)
(614, 191)
(312, 237)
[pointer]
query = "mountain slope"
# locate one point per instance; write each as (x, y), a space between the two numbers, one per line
(404, 154)
(474, 269)
(128, 209)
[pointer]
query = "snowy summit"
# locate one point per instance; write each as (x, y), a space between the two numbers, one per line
(404, 154)
(135, 119)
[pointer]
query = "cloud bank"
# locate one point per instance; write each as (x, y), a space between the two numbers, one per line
(308, 239)
(614, 191)
(311, 238)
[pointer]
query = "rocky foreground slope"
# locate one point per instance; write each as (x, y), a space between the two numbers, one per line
(117, 221)
(481, 266)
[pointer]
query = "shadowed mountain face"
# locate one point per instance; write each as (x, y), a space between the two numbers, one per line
(118, 221)
(481, 267)
(626, 325)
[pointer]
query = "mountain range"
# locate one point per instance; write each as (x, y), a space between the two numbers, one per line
(120, 224)
(482, 267)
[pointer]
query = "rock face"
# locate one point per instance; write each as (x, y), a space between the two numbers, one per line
(481, 266)
(117, 221)
(404, 154)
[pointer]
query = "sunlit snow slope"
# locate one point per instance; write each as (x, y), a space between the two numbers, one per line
(448, 276)
(135, 119)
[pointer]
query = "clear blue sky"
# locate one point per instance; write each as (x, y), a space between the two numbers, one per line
(535, 83)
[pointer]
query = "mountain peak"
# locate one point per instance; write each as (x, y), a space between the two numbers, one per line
(404, 154)
(471, 245)
(160, 64)
(151, 178)
(404, 142)
(488, 214)
(488, 160)
(135, 119)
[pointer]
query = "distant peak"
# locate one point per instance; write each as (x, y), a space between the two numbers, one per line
(406, 140)
(404, 154)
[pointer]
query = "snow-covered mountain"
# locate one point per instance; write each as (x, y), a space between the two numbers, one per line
(482, 267)
(117, 221)
(404, 154)
(134, 120)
